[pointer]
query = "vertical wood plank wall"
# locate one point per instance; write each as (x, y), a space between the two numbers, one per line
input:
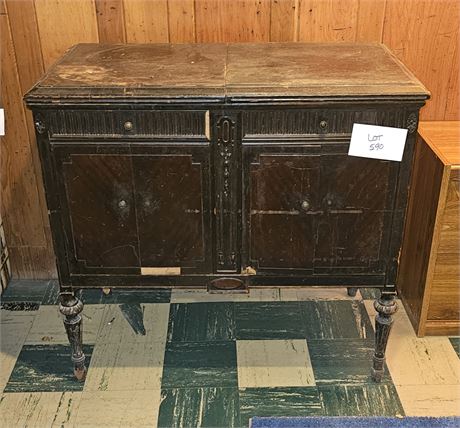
(424, 34)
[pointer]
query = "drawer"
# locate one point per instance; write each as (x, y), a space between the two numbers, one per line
(317, 122)
(126, 123)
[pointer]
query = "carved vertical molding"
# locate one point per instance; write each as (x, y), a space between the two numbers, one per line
(226, 157)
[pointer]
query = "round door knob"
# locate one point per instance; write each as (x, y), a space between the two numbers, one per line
(122, 204)
(323, 124)
(128, 125)
(305, 205)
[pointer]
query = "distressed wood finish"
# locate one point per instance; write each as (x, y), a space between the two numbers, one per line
(430, 274)
(224, 166)
(301, 70)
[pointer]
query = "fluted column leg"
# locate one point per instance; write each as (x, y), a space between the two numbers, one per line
(71, 307)
(385, 306)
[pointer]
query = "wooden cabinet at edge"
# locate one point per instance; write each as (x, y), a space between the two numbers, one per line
(429, 279)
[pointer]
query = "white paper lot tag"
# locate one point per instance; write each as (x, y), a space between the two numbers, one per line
(2, 121)
(377, 142)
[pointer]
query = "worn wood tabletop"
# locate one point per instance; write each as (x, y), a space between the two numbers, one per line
(233, 70)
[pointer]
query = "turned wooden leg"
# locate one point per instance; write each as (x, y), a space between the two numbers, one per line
(385, 306)
(71, 307)
(351, 291)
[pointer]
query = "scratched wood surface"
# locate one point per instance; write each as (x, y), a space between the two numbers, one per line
(42, 30)
(299, 69)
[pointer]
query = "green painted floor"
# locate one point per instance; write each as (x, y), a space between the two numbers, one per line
(188, 359)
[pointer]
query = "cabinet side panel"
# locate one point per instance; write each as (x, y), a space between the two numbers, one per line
(418, 234)
(445, 289)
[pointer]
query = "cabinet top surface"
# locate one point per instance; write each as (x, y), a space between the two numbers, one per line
(227, 71)
(444, 139)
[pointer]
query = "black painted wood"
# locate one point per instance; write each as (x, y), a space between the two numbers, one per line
(386, 307)
(71, 307)
(194, 172)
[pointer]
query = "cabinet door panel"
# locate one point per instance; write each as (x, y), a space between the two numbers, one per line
(171, 210)
(357, 201)
(100, 200)
(284, 193)
(318, 209)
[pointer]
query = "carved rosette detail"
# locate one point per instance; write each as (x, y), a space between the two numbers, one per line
(411, 123)
(40, 125)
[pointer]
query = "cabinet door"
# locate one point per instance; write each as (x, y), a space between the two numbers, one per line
(98, 209)
(171, 186)
(283, 203)
(357, 201)
(130, 208)
(317, 210)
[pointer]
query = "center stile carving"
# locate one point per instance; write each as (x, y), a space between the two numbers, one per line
(226, 195)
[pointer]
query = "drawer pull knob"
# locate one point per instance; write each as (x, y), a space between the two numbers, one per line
(122, 204)
(128, 125)
(323, 124)
(305, 205)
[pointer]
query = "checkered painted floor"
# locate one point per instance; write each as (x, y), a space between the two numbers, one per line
(187, 358)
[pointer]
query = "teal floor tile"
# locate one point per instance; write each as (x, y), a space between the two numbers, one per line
(190, 364)
(121, 295)
(455, 341)
(45, 368)
(93, 296)
(51, 295)
(199, 407)
(342, 361)
(196, 322)
(336, 319)
(363, 400)
(269, 320)
(160, 295)
(370, 293)
(87, 296)
(279, 402)
(21, 290)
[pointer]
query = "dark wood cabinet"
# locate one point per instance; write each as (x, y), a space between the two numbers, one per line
(129, 210)
(185, 165)
(326, 213)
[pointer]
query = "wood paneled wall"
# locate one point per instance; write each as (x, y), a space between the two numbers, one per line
(424, 34)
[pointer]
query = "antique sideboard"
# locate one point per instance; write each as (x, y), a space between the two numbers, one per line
(223, 166)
